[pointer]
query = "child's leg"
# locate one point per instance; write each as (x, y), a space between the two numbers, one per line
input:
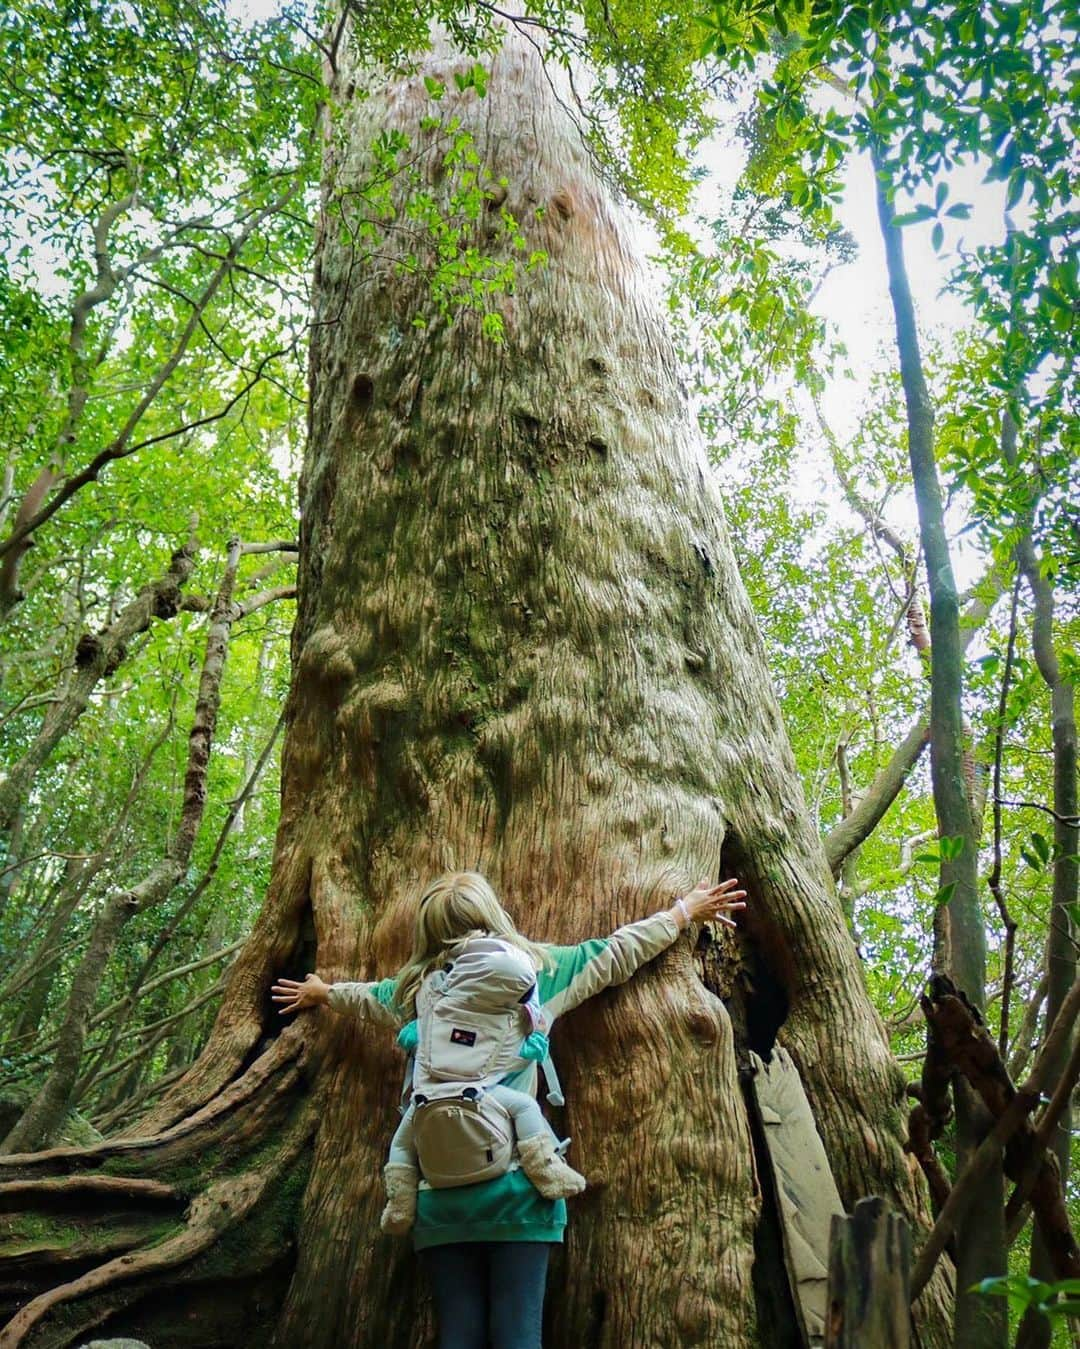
(402, 1147)
(401, 1177)
(536, 1143)
(524, 1110)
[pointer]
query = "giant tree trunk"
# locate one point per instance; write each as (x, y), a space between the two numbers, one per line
(522, 646)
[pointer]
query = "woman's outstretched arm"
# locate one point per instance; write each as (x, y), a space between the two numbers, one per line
(582, 971)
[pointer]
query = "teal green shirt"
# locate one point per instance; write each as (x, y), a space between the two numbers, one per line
(509, 1208)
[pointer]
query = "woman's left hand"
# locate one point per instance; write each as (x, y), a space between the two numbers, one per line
(708, 903)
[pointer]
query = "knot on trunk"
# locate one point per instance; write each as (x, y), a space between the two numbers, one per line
(167, 599)
(563, 205)
(87, 650)
(361, 393)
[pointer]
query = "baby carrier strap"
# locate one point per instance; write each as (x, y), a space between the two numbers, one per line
(551, 1080)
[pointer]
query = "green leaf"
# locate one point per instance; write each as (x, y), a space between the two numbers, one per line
(944, 894)
(1055, 299)
(915, 217)
(952, 847)
(1016, 189)
(995, 1286)
(937, 235)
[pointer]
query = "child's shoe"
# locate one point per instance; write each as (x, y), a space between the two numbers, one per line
(546, 1169)
(401, 1181)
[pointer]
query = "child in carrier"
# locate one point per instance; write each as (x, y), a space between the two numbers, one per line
(478, 1021)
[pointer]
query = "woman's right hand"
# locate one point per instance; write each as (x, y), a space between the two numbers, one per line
(708, 903)
(295, 995)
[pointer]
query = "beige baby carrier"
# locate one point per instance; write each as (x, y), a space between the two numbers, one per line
(472, 1016)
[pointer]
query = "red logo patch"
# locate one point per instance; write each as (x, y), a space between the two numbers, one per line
(462, 1037)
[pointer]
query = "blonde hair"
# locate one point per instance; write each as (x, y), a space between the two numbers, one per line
(459, 904)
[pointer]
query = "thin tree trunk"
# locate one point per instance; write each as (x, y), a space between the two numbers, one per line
(1023, 1042)
(993, 881)
(50, 951)
(12, 860)
(122, 1011)
(855, 828)
(45, 959)
(1061, 939)
(981, 1322)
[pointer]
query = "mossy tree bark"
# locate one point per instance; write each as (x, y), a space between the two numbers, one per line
(523, 646)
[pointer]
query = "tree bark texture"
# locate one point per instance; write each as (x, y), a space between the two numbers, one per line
(522, 646)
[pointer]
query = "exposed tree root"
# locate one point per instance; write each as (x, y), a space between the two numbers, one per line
(242, 1021)
(181, 1138)
(106, 1187)
(89, 1235)
(225, 1203)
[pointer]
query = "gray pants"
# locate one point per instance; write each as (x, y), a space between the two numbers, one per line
(488, 1294)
